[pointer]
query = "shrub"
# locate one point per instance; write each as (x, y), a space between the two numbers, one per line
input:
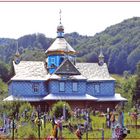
(26, 110)
(57, 109)
(27, 131)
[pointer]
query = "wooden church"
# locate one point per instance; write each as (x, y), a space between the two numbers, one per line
(60, 78)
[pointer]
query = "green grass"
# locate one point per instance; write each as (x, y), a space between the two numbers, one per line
(97, 123)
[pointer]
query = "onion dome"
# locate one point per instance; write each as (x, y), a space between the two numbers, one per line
(60, 46)
(60, 28)
(60, 31)
(17, 56)
(101, 57)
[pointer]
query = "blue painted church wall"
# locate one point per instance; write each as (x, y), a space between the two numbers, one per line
(26, 88)
(10, 89)
(57, 60)
(105, 88)
(55, 89)
(54, 60)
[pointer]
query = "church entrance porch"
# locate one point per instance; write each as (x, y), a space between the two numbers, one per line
(44, 106)
(93, 105)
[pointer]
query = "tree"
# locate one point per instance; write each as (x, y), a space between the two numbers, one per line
(126, 74)
(121, 62)
(4, 71)
(3, 89)
(57, 109)
(26, 110)
(136, 96)
(112, 60)
(11, 109)
(133, 59)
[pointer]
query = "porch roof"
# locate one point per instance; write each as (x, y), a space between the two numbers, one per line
(116, 97)
(21, 98)
(69, 97)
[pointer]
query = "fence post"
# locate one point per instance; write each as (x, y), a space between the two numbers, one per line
(102, 134)
(86, 132)
(13, 129)
(38, 121)
(44, 117)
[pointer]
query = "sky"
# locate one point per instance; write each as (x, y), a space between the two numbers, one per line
(87, 18)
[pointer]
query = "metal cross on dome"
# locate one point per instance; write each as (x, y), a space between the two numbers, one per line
(60, 15)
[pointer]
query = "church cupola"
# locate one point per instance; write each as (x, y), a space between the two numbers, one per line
(101, 57)
(59, 50)
(60, 28)
(17, 57)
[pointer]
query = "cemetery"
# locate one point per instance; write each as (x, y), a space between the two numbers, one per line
(64, 123)
(61, 99)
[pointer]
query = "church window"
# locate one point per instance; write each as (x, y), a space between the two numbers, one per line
(61, 59)
(61, 86)
(74, 86)
(53, 60)
(35, 87)
(97, 88)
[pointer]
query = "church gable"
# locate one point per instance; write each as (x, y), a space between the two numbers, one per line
(67, 68)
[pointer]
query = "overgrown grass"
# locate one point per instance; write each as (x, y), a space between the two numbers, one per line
(125, 86)
(97, 124)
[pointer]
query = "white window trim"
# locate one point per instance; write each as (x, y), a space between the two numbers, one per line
(97, 88)
(35, 87)
(75, 86)
(61, 86)
(52, 60)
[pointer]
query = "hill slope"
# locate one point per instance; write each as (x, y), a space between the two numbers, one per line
(121, 46)
(120, 43)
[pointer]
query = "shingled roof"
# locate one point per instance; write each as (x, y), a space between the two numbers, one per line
(30, 70)
(35, 70)
(92, 71)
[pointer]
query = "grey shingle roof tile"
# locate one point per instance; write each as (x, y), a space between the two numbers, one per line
(92, 71)
(35, 70)
(30, 70)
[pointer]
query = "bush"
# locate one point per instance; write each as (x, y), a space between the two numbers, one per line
(26, 110)
(57, 109)
(27, 131)
(10, 108)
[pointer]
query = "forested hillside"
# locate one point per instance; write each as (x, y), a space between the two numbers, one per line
(121, 46)
(120, 43)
